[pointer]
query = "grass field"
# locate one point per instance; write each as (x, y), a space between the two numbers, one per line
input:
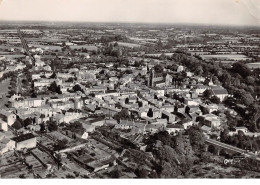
(51, 47)
(225, 57)
(130, 45)
(253, 65)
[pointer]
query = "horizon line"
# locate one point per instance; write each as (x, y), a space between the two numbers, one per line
(133, 22)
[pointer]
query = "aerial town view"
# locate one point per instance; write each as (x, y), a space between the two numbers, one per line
(126, 100)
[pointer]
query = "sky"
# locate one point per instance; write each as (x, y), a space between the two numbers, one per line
(227, 12)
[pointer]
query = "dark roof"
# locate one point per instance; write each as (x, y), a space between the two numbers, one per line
(111, 91)
(23, 137)
(159, 82)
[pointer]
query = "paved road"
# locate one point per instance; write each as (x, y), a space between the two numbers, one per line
(25, 45)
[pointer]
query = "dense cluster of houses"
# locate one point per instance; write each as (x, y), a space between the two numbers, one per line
(154, 103)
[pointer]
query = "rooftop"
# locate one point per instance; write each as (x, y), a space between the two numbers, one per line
(23, 137)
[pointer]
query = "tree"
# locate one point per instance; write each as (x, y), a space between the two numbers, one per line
(76, 127)
(224, 135)
(116, 44)
(197, 138)
(115, 173)
(22, 176)
(241, 68)
(61, 144)
(123, 114)
(229, 101)
(25, 82)
(162, 56)
(52, 126)
(43, 128)
(158, 68)
(127, 101)
(53, 75)
(215, 99)
(116, 52)
(150, 113)
(231, 122)
(77, 88)
(141, 173)
(27, 121)
(17, 124)
(250, 80)
(247, 99)
(70, 79)
(207, 93)
(55, 88)
(199, 70)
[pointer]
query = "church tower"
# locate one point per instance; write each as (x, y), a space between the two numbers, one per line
(150, 78)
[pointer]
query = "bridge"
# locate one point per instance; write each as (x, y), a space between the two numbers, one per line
(220, 148)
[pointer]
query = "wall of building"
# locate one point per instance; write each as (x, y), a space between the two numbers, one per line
(30, 143)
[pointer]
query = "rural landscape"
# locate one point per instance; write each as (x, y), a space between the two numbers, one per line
(95, 100)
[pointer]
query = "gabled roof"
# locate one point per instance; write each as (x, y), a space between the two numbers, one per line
(219, 91)
(6, 113)
(175, 126)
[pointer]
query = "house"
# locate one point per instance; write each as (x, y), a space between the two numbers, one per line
(3, 125)
(206, 129)
(125, 124)
(110, 122)
(7, 117)
(101, 163)
(109, 111)
(89, 128)
(29, 102)
(187, 124)
(208, 108)
(191, 102)
(159, 79)
(84, 135)
(199, 89)
(69, 116)
(96, 122)
(173, 129)
(159, 122)
(34, 127)
(170, 117)
(6, 145)
(243, 129)
(210, 120)
(153, 128)
(220, 92)
(24, 141)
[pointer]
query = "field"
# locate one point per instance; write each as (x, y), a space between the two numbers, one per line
(253, 65)
(158, 54)
(225, 57)
(46, 47)
(14, 56)
(130, 45)
(9, 47)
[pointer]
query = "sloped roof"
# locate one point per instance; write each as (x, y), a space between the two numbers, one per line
(23, 137)
(219, 91)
